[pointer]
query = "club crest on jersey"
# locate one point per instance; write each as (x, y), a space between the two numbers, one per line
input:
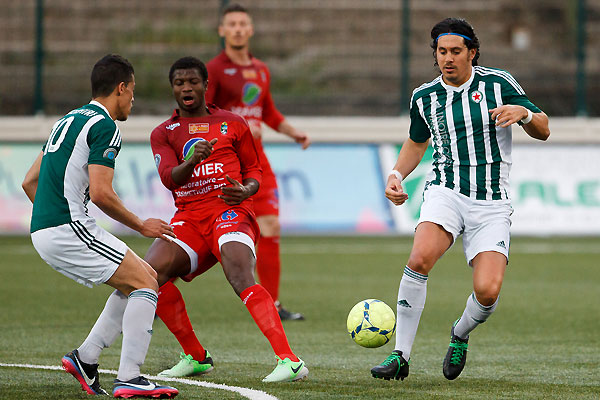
(224, 128)
(250, 93)
(110, 153)
(188, 147)
(263, 75)
(202, 127)
(476, 96)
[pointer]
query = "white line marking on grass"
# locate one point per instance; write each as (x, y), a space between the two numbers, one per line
(251, 394)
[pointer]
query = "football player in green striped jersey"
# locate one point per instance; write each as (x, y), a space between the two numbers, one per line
(467, 113)
(76, 165)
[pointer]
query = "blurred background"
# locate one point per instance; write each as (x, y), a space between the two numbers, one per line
(335, 57)
(342, 70)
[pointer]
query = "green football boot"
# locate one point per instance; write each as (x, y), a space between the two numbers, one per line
(393, 367)
(287, 371)
(456, 357)
(187, 366)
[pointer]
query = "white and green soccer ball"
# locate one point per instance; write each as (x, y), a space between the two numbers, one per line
(371, 323)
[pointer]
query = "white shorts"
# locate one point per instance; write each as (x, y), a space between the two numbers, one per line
(484, 224)
(80, 250)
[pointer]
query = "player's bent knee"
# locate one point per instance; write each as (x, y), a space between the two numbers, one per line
(419, 263)
(144, 281)
(488, 295)
(148, 282)
(133, 273)
(488, 287)
(486, 300)
(150, 270)
(238, 262)
(239, 278)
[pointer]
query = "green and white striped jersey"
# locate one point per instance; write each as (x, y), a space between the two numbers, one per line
(471, 155)
(84, 136)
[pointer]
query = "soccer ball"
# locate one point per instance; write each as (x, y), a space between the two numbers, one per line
(371, 323)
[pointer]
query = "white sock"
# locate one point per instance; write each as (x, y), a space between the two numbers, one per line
(137, 332)
(473, 315)
(105, 330)
(411, 301)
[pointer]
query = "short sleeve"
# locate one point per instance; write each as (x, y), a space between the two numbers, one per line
(418, 131)
(513, 94)
(165, 157)
(104, 141)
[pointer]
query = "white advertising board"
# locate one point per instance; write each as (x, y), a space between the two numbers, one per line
(339, 188)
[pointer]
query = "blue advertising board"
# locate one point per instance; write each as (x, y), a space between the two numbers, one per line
(325, 189)
(330, 188)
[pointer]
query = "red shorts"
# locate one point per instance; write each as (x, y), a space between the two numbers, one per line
(266, 200)
(202, 234)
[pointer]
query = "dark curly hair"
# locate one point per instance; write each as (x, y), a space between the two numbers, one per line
(188, 63)
(459, 26)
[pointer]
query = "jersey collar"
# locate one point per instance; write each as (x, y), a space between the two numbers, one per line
(209, 107)
(99, 105)
(461, 87)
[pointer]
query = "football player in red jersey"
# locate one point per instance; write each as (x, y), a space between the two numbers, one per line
(239, 82)
(207, 158)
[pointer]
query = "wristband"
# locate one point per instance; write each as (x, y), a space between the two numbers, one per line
(397, 174)
(528, 118)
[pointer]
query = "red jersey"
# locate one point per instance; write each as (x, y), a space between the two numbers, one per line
(234, 154)
(244, 90)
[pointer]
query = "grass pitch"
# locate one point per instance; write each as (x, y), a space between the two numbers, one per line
(543, 342)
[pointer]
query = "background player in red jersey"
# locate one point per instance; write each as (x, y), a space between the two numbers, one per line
(239, 82)
(202, 154)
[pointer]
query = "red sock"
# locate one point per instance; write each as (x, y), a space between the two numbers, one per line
(262, 309)
(171, 310)
(268, 264)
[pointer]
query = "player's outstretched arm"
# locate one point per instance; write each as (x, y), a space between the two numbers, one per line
(410, 156)
(30, 182)
(103, 195)
(298, 136)
(536, 127)
(236, 193)
(182, 173)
